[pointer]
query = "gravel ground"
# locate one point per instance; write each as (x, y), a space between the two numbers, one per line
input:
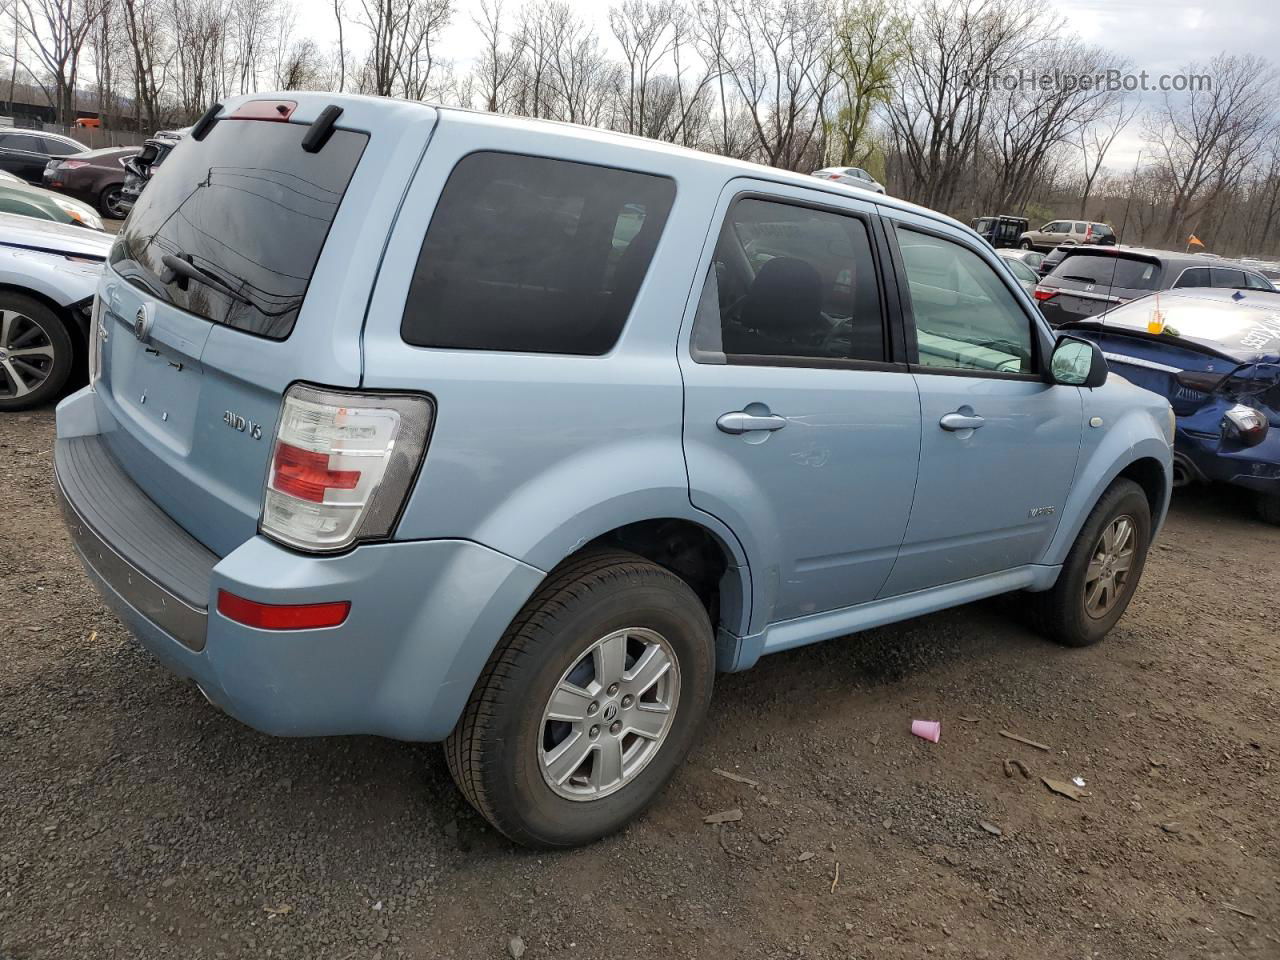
(138, 822)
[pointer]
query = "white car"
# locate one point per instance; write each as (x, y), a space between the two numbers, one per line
(48, 272)
(853, 176)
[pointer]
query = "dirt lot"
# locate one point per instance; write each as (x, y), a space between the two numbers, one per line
(136, 821)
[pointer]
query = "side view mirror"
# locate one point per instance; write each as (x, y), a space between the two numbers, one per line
(1078, 363)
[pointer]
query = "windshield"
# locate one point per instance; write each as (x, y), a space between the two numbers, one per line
(246, 206)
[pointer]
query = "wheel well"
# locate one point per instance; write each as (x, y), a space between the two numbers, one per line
(63, 313)
(1149, 475)
(694, 554)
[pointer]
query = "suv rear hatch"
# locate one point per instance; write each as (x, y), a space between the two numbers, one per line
(1089, 280)
(245, 266)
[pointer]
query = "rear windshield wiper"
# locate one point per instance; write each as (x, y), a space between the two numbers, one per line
(189, 271)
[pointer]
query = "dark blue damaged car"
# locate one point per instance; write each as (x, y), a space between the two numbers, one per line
(1217, 360)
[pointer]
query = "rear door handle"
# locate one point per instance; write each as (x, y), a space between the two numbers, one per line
(742, 422)
(960, 421)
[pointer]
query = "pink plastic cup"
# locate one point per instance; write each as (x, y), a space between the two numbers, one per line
(927, 729)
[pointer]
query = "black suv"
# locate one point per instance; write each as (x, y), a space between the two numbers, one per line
(1089, 280)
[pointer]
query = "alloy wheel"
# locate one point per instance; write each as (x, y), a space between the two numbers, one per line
(1107, 575)
(609, 714)
(26, 355)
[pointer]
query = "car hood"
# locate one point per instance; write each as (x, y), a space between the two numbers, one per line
(31, 234)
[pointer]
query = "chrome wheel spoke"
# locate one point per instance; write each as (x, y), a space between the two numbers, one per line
(610, 657)
(7, 318)
(648, 670)
(647, 722)
(562, 762)
(1094, 570)
(569, 703)
(606, 765)
(42, 351)
(17, 384)
(1123, 562)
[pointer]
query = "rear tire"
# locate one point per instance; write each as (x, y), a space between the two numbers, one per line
(514, 760)
(1268, 507)
(109, 202)
(1079, 610)
(1027, 245)
(36, 353)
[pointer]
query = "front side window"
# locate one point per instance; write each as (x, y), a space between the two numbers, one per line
(965, 316)
(792, 285)
(1255, 282)
(534, 255)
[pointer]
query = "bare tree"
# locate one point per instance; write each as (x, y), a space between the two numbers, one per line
(1205, 140)
(646, 32)
(402, 36)
(777, 53)
(55, 32)
(500, 58)
(1095, 142)
(957, 52)
(1032, 121)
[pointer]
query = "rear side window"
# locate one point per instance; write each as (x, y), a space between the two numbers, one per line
(1230, 279)
(790, 285)
(534, 255)
(1109, 270)
(248, 207)
(58, 148)
(1080, 227)
(1193, 277)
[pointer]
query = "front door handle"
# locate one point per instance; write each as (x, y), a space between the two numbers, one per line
(960, 421)
(742, 422)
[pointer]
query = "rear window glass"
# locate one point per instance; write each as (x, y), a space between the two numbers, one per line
(1109, 270)
(248, 207)
(534, 255)
(1101, 230)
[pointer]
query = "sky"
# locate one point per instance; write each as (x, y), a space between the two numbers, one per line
(1159, 37)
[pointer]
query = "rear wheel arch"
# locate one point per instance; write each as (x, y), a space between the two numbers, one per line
(715, 569)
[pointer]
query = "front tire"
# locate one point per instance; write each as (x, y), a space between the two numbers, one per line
(36, 353)
(591, 701)
(1101, 571)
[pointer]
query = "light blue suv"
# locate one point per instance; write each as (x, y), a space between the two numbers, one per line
(442, 425)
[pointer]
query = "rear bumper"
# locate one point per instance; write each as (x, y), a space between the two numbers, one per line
(1255, 468)
(425, 615)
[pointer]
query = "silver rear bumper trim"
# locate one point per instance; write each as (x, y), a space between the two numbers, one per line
(175, 617)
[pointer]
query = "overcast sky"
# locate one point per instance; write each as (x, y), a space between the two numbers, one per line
(1159, 37)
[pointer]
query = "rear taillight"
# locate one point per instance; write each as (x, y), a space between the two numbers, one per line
(1044, 293)
(72, 164)
(342, 466)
